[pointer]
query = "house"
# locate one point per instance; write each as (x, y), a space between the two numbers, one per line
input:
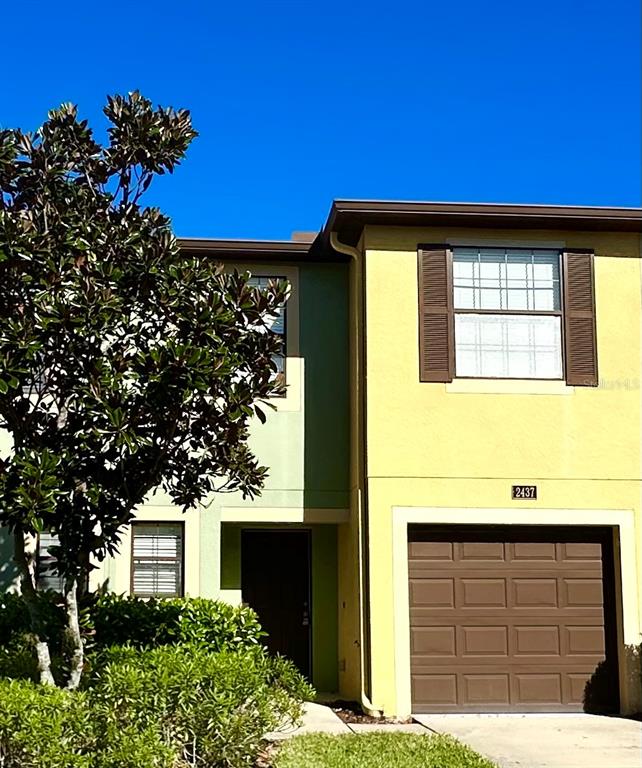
(452, 521)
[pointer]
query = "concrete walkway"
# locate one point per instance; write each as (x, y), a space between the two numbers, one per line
(546, 741)
(316, 719)
(511, 741)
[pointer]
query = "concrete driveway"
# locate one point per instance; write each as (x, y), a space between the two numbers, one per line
(546, 741)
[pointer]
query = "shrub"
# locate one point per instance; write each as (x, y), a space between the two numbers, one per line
(15, 622)
(17, 653)
(172, 706)
(108, 619)
(120, 620)
(18, 659)
(43, 727)
(216, 707)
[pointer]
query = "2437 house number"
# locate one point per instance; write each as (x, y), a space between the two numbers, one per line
(524, 492)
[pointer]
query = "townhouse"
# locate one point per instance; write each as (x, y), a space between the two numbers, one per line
(452, 518)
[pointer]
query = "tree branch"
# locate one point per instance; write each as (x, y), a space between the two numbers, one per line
(28, 586)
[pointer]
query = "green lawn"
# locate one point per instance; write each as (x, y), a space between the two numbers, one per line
(377, 750)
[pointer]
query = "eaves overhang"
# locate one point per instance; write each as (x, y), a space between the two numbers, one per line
(349, 217)
(259, 250)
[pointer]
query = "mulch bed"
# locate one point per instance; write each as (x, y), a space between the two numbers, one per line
(351, 712)
(266, 757)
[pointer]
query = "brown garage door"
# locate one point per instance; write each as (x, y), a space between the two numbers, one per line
(511, 619)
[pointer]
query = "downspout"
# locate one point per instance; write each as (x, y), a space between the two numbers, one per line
(363, 517)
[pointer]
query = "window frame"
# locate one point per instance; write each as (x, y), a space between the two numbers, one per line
(561, 313)
(181, 559)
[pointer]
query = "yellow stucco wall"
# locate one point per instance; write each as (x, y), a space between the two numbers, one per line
(432, 448)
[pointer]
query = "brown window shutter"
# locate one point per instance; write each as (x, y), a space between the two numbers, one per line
(436, 353)
(579, 319)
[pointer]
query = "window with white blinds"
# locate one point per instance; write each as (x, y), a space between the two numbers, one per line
(46, 576)
(508, 313)
(277, 323)
(157, 559)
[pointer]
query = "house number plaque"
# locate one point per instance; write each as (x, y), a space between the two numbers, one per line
(524, 492)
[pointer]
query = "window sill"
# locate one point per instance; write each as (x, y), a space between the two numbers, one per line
(508, 387)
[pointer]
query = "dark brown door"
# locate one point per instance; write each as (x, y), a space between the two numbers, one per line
(512, 619)
(275, 581)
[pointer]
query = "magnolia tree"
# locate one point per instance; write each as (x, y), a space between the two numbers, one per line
(125, 364)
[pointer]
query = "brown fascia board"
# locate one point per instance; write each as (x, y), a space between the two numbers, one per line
(243, 248)
(259, 250)
(348, 217)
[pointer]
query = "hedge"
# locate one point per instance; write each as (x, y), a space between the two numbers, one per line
(156, 708)
(109, 619)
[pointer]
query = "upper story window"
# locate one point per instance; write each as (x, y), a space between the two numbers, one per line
(515, 313)
(508, 313)
(277, 323)
(157, 559)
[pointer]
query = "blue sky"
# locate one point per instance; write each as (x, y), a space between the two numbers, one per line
(298, 103)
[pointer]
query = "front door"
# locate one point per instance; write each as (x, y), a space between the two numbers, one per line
(275, 582)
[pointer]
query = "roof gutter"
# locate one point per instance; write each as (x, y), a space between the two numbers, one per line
(348, 250)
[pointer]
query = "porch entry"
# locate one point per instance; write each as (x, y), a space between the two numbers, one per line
(275, 582)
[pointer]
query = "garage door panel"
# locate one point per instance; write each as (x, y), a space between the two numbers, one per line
(483, 641)
(433, 641)
(574, 551)
(532, 552)
(581, 593)
(429, 551)
(476, 593)
(529, 593)
(509, 625)
(585, 641)
(435, 690)
(575, 687)
(532, 640)
(537, 688)
(432, 593)
(484, 689)
(474, 551)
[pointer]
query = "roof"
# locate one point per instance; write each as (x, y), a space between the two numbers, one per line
(244, 248)
(348, 217)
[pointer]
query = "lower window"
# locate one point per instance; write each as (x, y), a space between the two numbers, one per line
(157, 559)
(46, 575)
(508, 346)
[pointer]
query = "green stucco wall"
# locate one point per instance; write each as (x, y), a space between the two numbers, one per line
(324, 594)
(324, 347)
(324, 608)
(307, 450)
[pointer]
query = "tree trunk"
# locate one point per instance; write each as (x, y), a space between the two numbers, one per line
(74, 639)
(28, 588)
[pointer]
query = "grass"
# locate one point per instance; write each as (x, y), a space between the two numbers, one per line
(377, 750)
